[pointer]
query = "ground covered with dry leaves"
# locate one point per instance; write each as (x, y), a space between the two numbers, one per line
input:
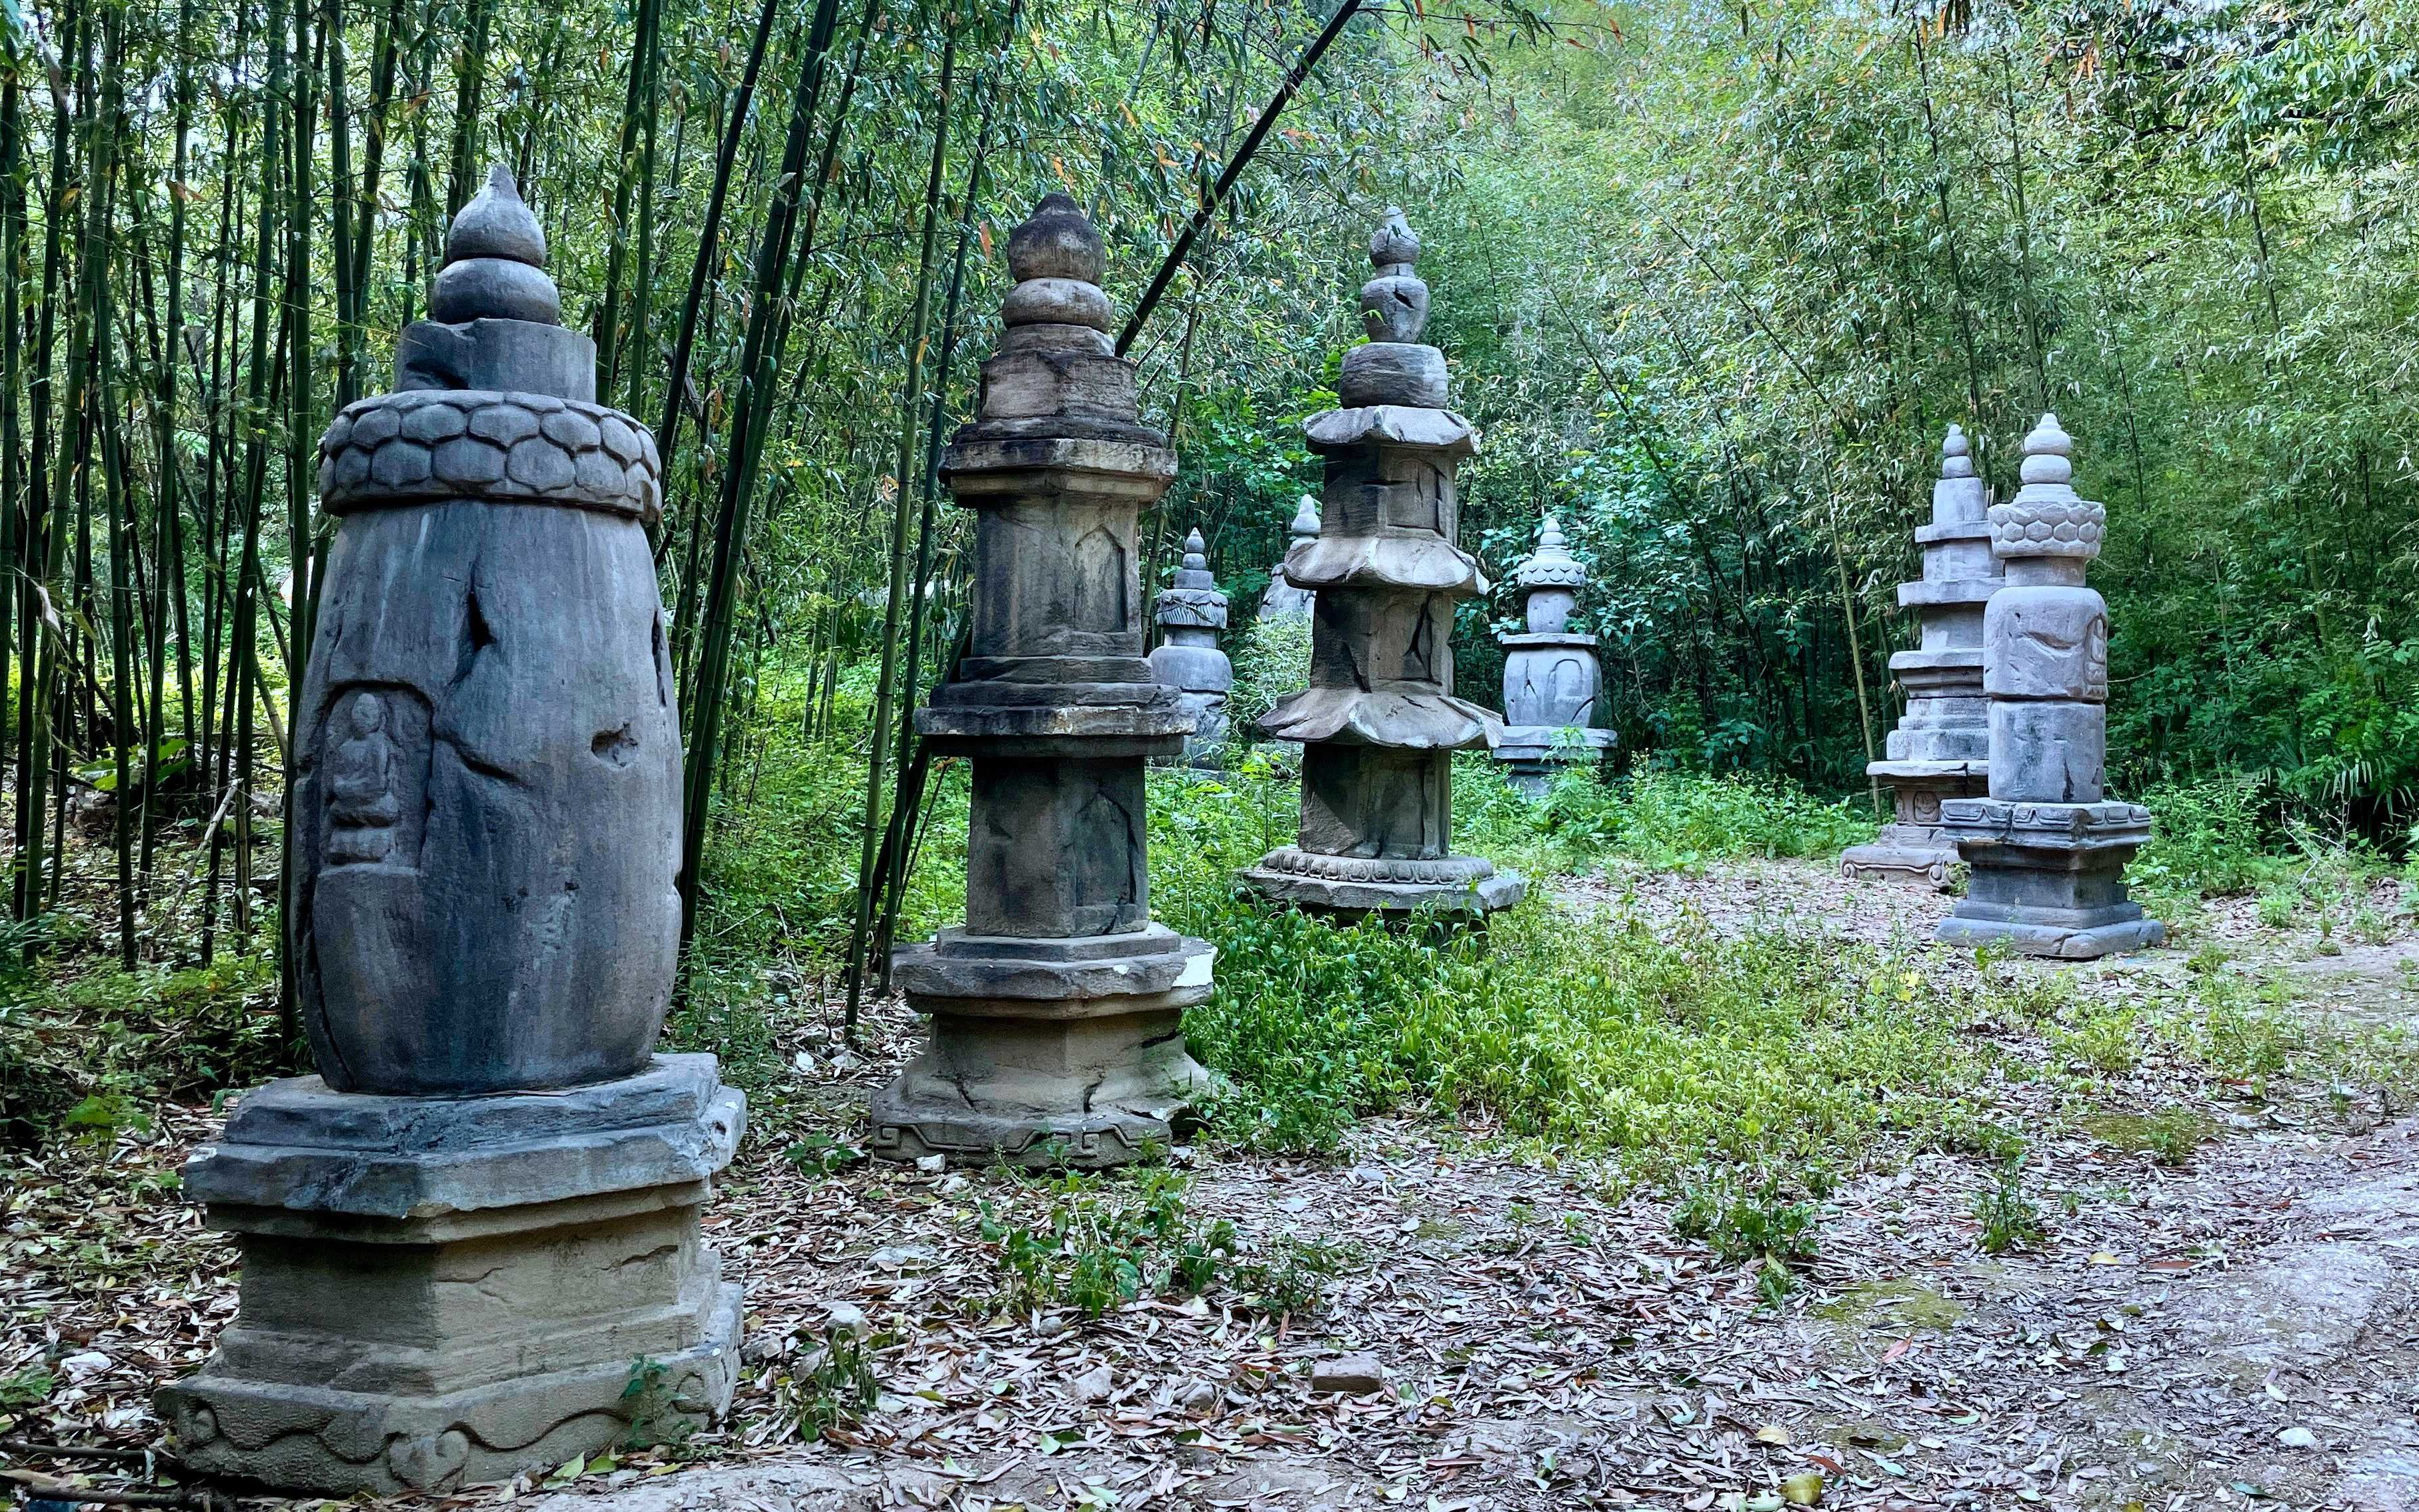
(2195, 1287)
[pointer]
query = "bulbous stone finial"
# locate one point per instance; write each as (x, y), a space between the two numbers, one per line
(1552, 565)
(1394, 304)
(1058, 262)
(2047, 517)
(495, 261)
(1956, 455)
(1305, 519)
(1197, 552)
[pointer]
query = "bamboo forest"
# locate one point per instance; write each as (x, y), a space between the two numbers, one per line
(1276, 754)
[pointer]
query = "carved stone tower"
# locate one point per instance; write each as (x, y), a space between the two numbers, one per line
(1941, 749)
(458, 1235)
(1379, 721)
(1057, 1010)
(2047, 850)
(1188, 659)
(1551, 677)
(1284, 600)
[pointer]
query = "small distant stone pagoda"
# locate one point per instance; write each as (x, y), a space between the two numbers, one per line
(459, 1236)
(1284, 600)
(1379, 721)
(1056, 1009)
(1941, 749)
(2047, 850)
(1551, 677)
(1188, 659)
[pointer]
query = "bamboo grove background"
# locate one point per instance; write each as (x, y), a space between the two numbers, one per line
(1712, 279)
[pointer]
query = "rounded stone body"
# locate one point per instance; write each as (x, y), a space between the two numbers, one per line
(486, 776)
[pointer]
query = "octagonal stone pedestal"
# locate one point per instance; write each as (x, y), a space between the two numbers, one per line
(442, 1291)
(2049, 878)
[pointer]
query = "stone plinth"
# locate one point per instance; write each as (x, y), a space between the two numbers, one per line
(2046, 851)
(440, 1291)
(1379, 722)
(1551, 677)
(1941, 749)
(459, 1236)
(1284, 600)
(1055, 1013)
(1191, 614)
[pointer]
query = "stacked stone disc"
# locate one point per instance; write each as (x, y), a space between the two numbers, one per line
(1941, 749)
(1056, 1011)
(1379, 722)
(459, 1235)
(2046, 849)
(1191, 614)
(1551, 677)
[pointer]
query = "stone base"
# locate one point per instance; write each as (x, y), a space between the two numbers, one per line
(436, 1293)
(1348, 888)
(1910, 851)
(1047, 1054)
(1534, 755)
(2048, 878)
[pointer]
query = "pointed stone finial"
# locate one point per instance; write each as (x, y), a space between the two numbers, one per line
(1197, 557)
(1057, 261)
(495, 261)
(1394, 304)
(1305, 519)
(2047, 517)
(1956, 455)
(1552, 565)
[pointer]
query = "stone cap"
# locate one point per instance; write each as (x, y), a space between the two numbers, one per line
(1161, 964)
(2075, 826)
(1414, 560)
(495, 261)
(297, 1145)
(1056, 373)
(1305, 519)
(1944, 532)
(1390, 424)
(1398, 719)
(1552, 565)
(1194, 602)
(2047, 517)
(1925, 593)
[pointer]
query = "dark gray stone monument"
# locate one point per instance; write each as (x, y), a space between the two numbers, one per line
(463, 1236)
(1283, 600)
(2046, 850)
(1941, 749)
(1188, 659)
(1379, 722)
(1551, 677)
(1056, 1011)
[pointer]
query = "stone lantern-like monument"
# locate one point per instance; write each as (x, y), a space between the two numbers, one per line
(1284, 600)
(1188, 659)
(459, 1236)
(1941, 749)
(2047, 850)
(1056, 1009)
(1379, 722)
(1551, 677)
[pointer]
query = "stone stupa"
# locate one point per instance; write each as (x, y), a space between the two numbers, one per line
(1191, 613)
(1551, 677)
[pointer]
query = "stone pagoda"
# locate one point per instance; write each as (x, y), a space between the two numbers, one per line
(461, 1233)
(1551, 677)
(1188, 659)
(1056, 1011)
(1941, 749)
(1379, 722)
(2046, 851)
(1283, 600)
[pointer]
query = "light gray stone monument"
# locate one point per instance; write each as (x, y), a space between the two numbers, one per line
(1056, 1013)
(1188, 659)
(2046, 850)
(1941, 749)
(1283, 600)
(1379, 722)
(475, 1230)
(1551, 677)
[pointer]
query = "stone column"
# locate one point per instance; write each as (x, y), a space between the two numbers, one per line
(1188, 659)
(470, 1242)
(2047, 850)
(1942, 745)
(1283, 601)
(1055, 1034)
(1551, 677)
(1379, 721)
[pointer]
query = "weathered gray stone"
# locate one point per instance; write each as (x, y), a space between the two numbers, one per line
(471, 1244)
(1551, 677)
(1942, 745)
(1055, 1015)
(1283, 599)
(1191, 614)
(1380, 722)
(2046, 854)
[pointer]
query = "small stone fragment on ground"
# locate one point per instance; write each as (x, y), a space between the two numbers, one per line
(1352, 1375)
